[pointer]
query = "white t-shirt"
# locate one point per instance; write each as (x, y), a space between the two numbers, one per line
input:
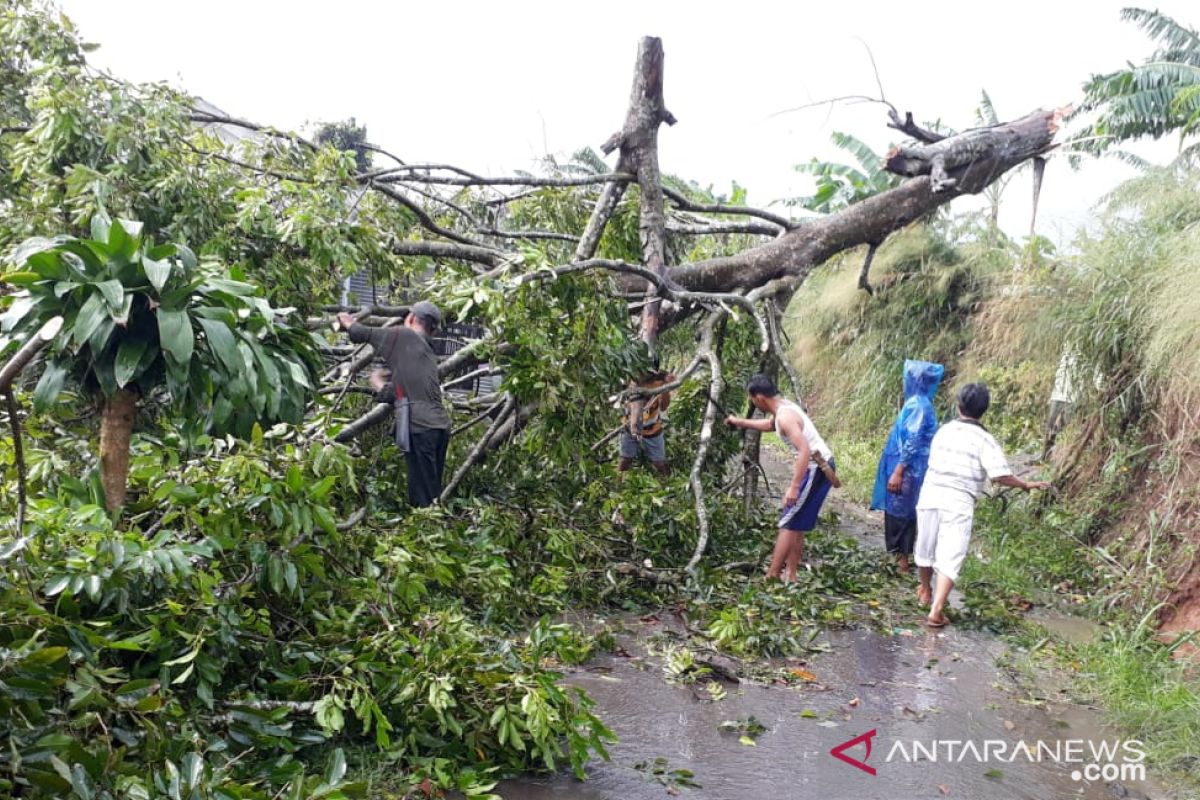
(961, 458)
(816, 444)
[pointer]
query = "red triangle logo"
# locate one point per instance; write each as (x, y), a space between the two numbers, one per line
(840, 751)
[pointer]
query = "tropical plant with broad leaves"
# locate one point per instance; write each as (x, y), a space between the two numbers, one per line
(1152, 99)
(140, 317)
(841, 185)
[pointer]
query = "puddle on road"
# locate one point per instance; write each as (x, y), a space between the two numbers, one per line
(925, 687)
(1071, 629)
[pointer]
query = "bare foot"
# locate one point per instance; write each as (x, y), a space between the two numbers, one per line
(924, 595)
(902, 565)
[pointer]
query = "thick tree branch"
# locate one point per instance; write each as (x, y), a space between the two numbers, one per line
(912, 129)
(710, 229)
(476, 254)
(798, 251)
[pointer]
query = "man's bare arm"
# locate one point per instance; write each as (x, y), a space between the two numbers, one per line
(764, 424)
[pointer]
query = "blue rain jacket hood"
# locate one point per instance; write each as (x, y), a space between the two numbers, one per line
(909, 441)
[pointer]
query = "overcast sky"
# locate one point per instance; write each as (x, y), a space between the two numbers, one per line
(491, 86)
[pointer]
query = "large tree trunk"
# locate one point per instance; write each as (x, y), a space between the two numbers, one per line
(116, 428)
(967, 170)
(638, 140)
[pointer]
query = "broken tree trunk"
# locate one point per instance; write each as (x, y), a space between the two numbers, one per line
(638, 141)
(995, 150)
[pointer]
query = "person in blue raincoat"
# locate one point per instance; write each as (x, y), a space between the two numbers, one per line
(905, 458)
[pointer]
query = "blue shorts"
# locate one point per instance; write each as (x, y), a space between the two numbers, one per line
(655, 447)
(812, 496)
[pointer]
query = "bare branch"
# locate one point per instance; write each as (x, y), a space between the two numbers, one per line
(602, 212)
(511, 180)
(554, 235)
(710, 229)
(684, 204)
(830, 101)
(480, 448)
(426, 221)
(911, 128)
(205, 118)
(708, 352)
(283, 176)
(487, 412)
(378, 413)
(374, 148)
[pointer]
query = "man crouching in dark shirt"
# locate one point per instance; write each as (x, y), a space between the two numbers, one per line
(414, 374)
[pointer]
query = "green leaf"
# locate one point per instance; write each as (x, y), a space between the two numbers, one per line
(49, 386)
(157, 272)
(98, 341)
(114, 293)
(175, 335)
(186, 257)
(43, 657)
(90, 315)
(123, 237)
(121, 315)
(324, 520)
(222, 344)
(133, 692)
(81, 783)
(48, 265)
(31, 247)
(335, 770)
(129, 358)
(100, 225)
(21, 278)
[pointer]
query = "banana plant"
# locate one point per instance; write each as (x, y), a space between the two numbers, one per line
(1148, 100)
(140, 318)
(842, 185)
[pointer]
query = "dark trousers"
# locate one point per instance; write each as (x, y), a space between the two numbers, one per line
(899, 534)
(426, 463)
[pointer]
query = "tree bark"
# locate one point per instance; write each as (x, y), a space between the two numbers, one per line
(796, 253)
(116, 428)
(638, 140)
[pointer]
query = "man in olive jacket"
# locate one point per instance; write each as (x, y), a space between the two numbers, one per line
(414, 374)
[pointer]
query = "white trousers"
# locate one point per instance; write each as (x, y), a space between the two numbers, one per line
(943, 538)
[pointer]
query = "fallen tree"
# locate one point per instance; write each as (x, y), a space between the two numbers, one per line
(299, 215)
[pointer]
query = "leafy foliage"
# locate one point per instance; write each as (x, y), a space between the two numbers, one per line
(138, 314)
(249, 631)
(346, 135)
(1159, 96)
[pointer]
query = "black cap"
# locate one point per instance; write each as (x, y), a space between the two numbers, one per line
(427, 310)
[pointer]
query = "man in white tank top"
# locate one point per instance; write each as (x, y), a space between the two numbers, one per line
(812, 473)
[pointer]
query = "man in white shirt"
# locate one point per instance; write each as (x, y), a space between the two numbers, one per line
(963, 455)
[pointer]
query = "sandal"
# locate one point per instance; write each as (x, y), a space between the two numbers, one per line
(936, 623)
